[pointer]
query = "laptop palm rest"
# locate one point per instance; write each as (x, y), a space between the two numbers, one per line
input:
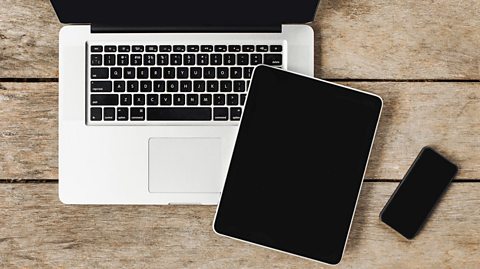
(184, 165)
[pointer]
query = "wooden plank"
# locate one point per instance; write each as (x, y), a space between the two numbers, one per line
(362, 39)
(38, 231)
(444, 115)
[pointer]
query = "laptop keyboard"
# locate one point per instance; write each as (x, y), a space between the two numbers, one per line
(157, 83)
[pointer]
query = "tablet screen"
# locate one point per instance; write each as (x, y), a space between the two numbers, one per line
(298, 164)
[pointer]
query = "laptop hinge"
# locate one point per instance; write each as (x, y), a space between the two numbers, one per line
(100, 28)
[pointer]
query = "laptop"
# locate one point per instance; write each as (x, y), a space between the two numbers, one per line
(151, 92)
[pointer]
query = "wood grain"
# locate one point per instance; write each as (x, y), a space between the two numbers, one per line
(444, 115)
(361, 39)
(48, 234)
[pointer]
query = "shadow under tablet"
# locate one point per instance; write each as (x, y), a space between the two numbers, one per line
(298, 165)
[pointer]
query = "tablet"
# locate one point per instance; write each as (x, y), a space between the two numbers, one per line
(298, 165)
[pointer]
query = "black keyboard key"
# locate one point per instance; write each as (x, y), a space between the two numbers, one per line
(169, 72)
(199, 86)
(236, 72)
(176, 59)
(152, 99)
(202, 59)
(132, 86)
(179, 48)
(219, 99)
(104, 99)
(137, 114)
(262, 48)
(110, 48)
(96, 113)
(273, 59)
(162, 59)
(96, 59)
(165, 99)
(255, 59)
(247, 72)
(137, 48)
(119, 86)
(195, 72)
(99, 72)
(172, 86)
(116, 72)
(185, 86)
(239, 86)
(225, 86)
(129, 72)
(109, 59)
(151, 48)
(136, 59)
(275, 48)
(206, 99)
(159, 86)
(145, 86)
(149, 59)
(216, 59)
(126, 99)
(248, 48)
(234, 48)
(139, 99)
(155, 72)
(229, 59)
(206, 48)
(209, 72)
(182, 72)
(122, 59)
(124, 48)
(220, 48)
(243, 98)
(179, 99)
(212, 86)
(189, 59)
(165, 48)
(100, 86)
(109, 113)
(193, 48)
(232, 99)
(179, 114)
(242, 59)
(96, 48)
(192, 99)
(122, 113)
(142, 72)
(220, 113)
(222, 72)
(235, 113)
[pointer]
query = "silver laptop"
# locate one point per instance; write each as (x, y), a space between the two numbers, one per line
(152, 92)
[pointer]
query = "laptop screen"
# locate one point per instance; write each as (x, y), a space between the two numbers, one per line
(186, 12)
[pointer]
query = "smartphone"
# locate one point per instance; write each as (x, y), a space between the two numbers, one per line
(418, 192)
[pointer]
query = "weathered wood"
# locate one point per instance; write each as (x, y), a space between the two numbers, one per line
(444, 115)
(366, 39)
(38, 231)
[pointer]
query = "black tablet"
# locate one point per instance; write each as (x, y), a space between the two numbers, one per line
(298, 164)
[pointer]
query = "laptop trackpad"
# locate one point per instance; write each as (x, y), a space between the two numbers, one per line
(184, 165)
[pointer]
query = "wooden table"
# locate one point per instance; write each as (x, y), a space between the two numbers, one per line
(422, 57)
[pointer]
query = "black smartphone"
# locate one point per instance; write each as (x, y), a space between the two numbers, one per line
(417, 194)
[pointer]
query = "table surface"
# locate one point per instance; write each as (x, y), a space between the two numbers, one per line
(422, 57)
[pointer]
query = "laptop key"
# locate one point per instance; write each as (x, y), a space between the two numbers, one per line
(172, 86)
(225, 86)
(236, 72)
(96, 113)
(132, 86)
(219, 99)
(126, 99)
(109, 59)
(234, 48)
(220, 113)
(222, 72)
(119, 86)
(96, 48)
(142, 72)
(139, 99)
(235, 113)
(209, 72)
(179, 99)
(176, 59)
(189, 59)
(247, 72)
(212, 86)
(242, 59)
(186, 86)
(199, 86)
(96, 59)
(151, 48)
(104, 99)
(195, 72)
(179, 48)
(109, 114)
(192, 99)
(216, 59)
(169, 72)
(220, 48)
(129, 72)
(100, 86)
(99, 72)
(193, 48)
(179, 113)
(182, 72)
(232, 99)
(145, 86)
(149, 59)
(243, 98)
(262, 48)
(122, 113)
(206, 48)
(206, 99)
(162, 59)
(248, 48)
(137, 48)
(137, 114)
(155, 72)
(116, 72)
(152, 99)
(255, 59)
(273, 59)
(122, 59)
(159, 86)
(275, 48)
(202, 59)
(165, 99)
(136, 59)
(229, 59)
(110, 48)
(165, 48)
(124, 48)
(239, 86)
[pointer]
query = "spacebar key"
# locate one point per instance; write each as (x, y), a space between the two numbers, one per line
(180, 114)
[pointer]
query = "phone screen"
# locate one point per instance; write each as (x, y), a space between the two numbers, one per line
(414, 198)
